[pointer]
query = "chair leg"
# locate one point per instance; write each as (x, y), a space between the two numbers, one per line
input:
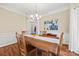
(36, 52)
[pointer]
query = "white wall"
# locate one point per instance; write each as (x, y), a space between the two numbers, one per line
(7, 38)
(10, 23)
(63, 17)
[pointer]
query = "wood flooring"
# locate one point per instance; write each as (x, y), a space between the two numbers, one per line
(12, 50)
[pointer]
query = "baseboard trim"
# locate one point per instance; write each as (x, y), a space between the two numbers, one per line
(7, 44)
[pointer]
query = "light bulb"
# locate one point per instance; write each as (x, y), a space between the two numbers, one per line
(39, 16)
(31, 16)
(36, 15)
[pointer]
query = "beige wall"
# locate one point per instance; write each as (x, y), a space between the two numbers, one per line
(11, 21)
(63, 20)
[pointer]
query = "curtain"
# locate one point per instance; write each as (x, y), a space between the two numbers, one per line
(74, 28)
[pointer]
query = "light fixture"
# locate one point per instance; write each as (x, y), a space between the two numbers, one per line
(35, 16)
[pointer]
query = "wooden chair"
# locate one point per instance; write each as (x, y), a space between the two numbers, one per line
(30, 48)
(56, 48)
(21, 44)
(24, 47)
(60, 44)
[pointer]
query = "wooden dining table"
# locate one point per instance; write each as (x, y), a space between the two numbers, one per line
(44, 43)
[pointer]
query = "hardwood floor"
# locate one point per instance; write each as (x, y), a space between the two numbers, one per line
(12, 50)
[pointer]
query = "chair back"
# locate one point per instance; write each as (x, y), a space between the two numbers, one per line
(21, 44)
(60, 44)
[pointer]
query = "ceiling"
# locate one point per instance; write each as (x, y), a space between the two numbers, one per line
(32, 8)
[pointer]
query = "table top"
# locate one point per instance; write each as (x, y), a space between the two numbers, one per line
(51, 40)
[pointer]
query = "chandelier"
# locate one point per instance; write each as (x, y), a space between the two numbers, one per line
(35, 16)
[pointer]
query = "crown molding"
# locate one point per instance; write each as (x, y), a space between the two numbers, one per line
(12, 10)
(56, 11)
(47, 14)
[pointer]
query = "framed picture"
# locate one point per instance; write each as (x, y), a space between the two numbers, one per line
(51, 25)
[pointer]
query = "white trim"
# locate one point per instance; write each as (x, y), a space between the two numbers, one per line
(12, 10)
(7, 44)
(50, 13)
(56, 11)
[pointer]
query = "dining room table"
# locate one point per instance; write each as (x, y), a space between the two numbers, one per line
(44, 43)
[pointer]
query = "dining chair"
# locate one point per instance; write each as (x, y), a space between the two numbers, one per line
(60, 44)
(30, 48)
(21, 44)
(24, 47)
(56, 48)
